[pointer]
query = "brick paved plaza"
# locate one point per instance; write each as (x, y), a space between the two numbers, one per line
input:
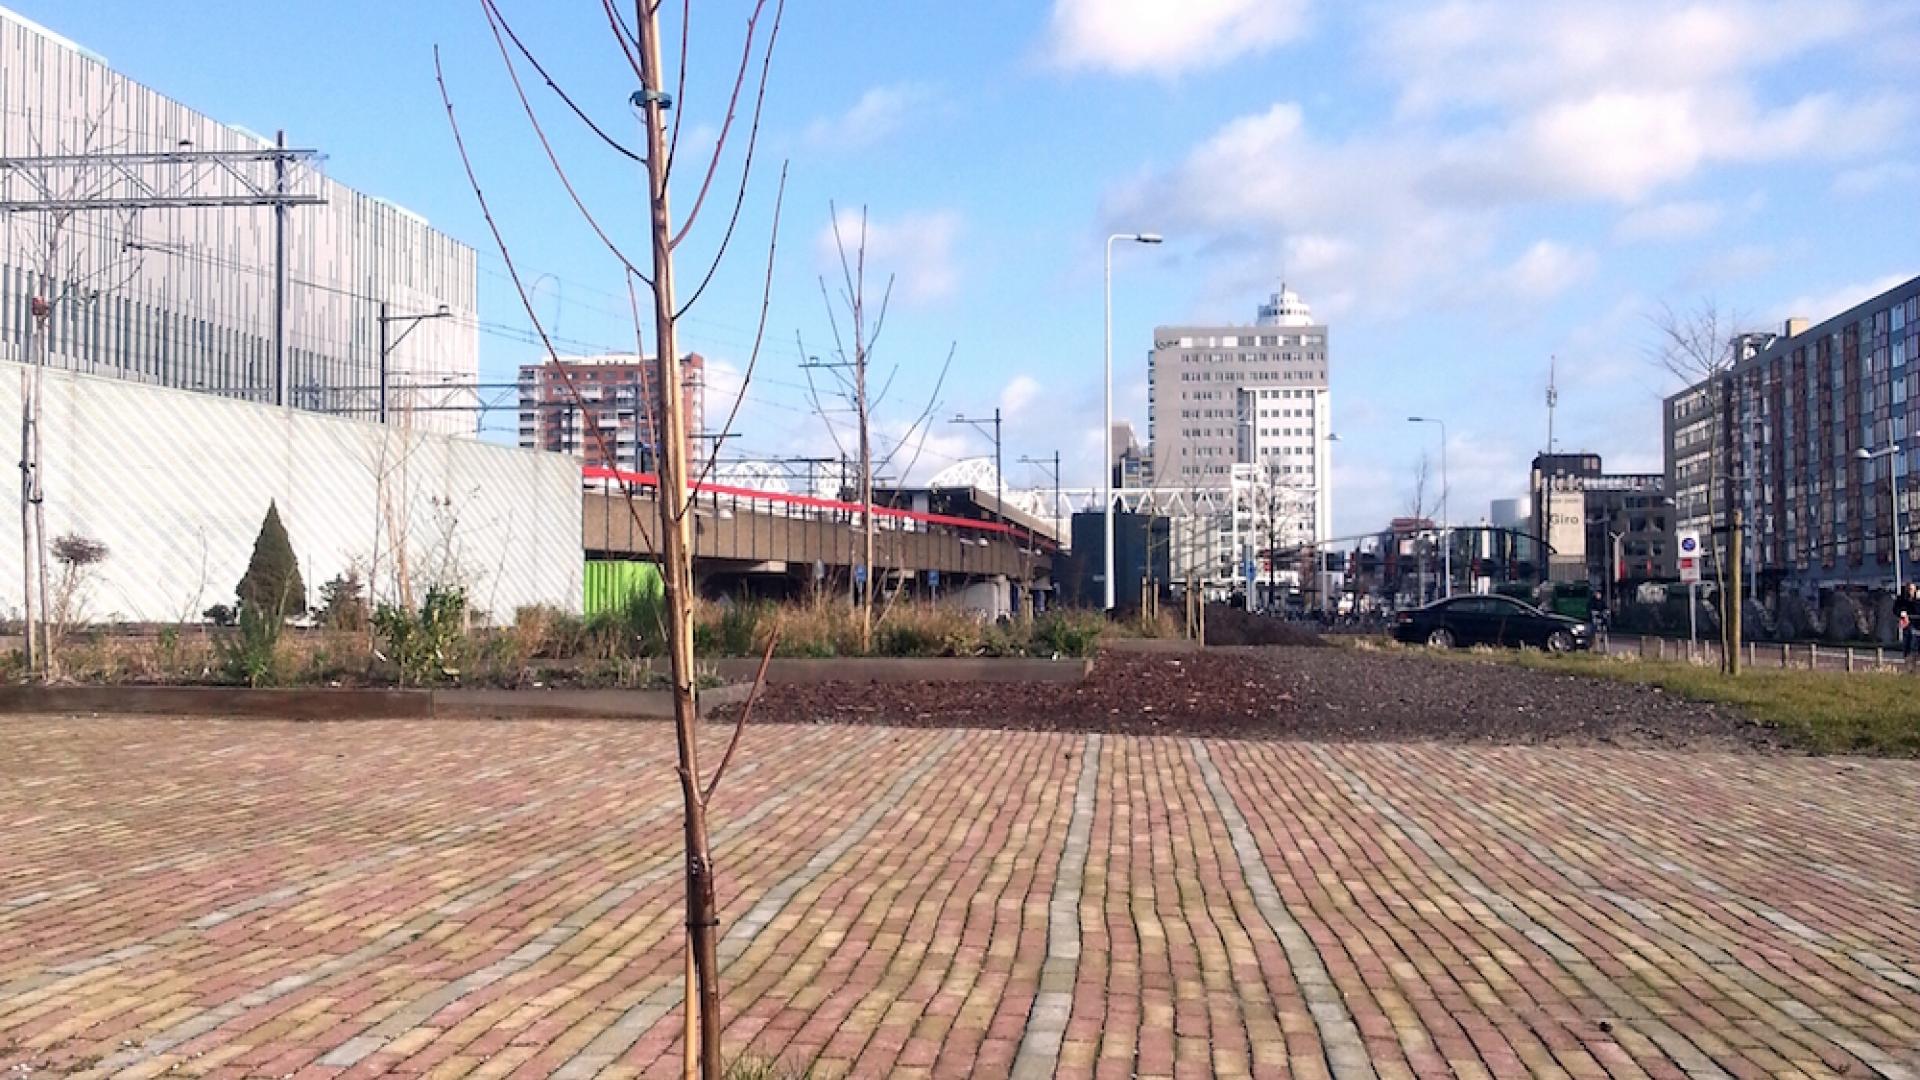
(447, 899)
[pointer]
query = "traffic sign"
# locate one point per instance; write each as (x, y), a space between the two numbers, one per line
(1689, 541)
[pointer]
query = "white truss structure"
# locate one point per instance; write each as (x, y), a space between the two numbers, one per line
(161, 179)
(1218, 531)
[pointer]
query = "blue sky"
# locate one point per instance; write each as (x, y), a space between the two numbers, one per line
(1463, 188)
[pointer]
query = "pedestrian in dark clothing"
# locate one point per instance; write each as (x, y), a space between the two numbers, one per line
(1907, 609)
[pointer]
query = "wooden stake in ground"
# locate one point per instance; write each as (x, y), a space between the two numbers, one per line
(677, 555)
(26, 516)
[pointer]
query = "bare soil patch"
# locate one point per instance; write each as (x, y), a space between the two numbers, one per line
(1238, 626)
(1295, 693)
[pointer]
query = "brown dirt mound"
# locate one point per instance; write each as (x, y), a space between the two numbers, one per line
(1238, 626)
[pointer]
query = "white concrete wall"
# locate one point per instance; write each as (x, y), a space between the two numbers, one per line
(176, 485)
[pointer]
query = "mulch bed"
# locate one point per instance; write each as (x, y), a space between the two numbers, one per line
(1292, 693)
(1238, 626)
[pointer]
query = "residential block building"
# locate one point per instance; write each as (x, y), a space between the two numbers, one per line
(1780, 435)
(604, 409)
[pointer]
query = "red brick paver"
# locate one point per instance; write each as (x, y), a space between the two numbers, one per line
(422, 899)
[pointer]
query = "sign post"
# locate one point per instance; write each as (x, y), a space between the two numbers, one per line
(1689, 541)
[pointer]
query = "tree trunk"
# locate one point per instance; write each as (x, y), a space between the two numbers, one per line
(703, 1000)
(866, 490)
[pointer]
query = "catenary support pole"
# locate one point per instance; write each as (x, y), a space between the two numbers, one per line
(383, 361)
(280, 396)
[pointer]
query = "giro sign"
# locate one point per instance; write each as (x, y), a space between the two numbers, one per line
(1689, 541)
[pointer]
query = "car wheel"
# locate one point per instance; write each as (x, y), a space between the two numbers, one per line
(1441, 638)
(1559, 642)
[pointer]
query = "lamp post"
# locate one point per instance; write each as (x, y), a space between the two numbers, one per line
(1893, 482)
(387, 347)
(1106, 429)
(1446, 540)
(1322, 481)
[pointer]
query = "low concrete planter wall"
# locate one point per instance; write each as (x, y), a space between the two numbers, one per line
(483, 704)
(455, 703)
(219, 701)
(232, 702)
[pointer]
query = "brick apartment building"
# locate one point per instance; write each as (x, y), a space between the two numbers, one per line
(614, 396)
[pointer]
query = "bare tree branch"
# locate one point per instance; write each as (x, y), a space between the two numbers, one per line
(733, 108)
(680, 83)
(833, 323)
(759, 332)
(553, 158)
(629, 45)
(1697, 347)
(493, 13)
(813, 394)
(924, 422)
(746, 168)
(746, 713)
(513, 273)
(886, 384)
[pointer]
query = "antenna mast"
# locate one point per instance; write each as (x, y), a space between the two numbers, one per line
(1553, 399)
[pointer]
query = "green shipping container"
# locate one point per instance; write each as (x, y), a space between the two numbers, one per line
(610, 584)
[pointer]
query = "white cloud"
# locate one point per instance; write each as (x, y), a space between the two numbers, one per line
(1476, 53)
(1721, 267)
(1546, 270)
(1625, 144)
(1481, 468)
(1669, 221)
(879, 114)
(1155, 37)
(1020, 392)
(722, 385)
(1509, 105)
(1615, 101)
(1825, 305)
(1266, 192)
(1870, 179)
(908, 455)
(916, 248)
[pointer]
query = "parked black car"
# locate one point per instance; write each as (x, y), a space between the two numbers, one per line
(1490, 620)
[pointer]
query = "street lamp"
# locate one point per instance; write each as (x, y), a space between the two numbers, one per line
(1106, 429)
(387, 347)
(1446, 540)
(1893, 482)
(1323, 478)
